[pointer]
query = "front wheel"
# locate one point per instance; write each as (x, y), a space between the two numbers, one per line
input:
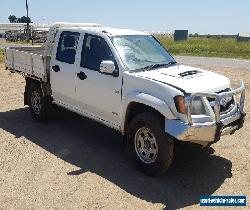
(150, 148)
(39, 105)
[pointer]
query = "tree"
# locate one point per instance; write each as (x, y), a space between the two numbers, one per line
(196, 35)
(24, 19)
(12, 19)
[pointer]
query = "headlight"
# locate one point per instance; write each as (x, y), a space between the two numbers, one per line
(198, 107)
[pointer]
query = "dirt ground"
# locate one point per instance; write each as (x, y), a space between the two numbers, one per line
(74, 163)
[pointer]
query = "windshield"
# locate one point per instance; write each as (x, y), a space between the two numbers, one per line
(141, 51)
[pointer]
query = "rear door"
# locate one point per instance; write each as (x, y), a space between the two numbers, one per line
(63, 68)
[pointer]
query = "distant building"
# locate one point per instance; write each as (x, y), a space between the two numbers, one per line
(180, 35)
(18, 31)
(19, 27)
(11, 27)
(243, 37)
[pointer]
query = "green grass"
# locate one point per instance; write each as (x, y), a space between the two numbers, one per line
(1, 56)
(208, 47)
(20, 42)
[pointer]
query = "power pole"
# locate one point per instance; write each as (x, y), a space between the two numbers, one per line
(28, 24)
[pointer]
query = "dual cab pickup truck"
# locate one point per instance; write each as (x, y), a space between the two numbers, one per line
(128, 81)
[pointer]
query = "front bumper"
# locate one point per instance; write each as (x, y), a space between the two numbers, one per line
(209, 131)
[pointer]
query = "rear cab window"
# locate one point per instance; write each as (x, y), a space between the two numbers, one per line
(67, 46)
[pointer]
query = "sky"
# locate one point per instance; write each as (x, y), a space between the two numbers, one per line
(201, 16)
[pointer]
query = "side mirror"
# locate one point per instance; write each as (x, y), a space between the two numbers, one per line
(107, 67)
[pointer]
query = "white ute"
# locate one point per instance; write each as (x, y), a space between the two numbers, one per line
(128, 81)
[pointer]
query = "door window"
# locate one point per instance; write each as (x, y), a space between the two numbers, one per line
(95, 50)
(66, 50)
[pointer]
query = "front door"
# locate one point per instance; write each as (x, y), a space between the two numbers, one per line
(63, 68)
(97, 93)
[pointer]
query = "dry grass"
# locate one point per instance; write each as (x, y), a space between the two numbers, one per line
(1, 56)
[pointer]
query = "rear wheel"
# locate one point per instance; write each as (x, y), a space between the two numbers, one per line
(150, 148)
(39, 105)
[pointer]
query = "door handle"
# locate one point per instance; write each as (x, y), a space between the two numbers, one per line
(82, 75)
(56, 68)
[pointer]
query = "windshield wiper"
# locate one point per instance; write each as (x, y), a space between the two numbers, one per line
(158, 65)
(155, 66)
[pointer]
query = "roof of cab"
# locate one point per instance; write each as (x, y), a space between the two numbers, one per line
(109, 31)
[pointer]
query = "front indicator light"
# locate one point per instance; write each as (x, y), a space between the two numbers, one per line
(180, 104)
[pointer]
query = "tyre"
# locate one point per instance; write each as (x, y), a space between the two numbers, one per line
(149, 147)
(40, 106)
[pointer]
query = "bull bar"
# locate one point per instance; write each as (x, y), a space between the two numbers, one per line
(212, 130)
